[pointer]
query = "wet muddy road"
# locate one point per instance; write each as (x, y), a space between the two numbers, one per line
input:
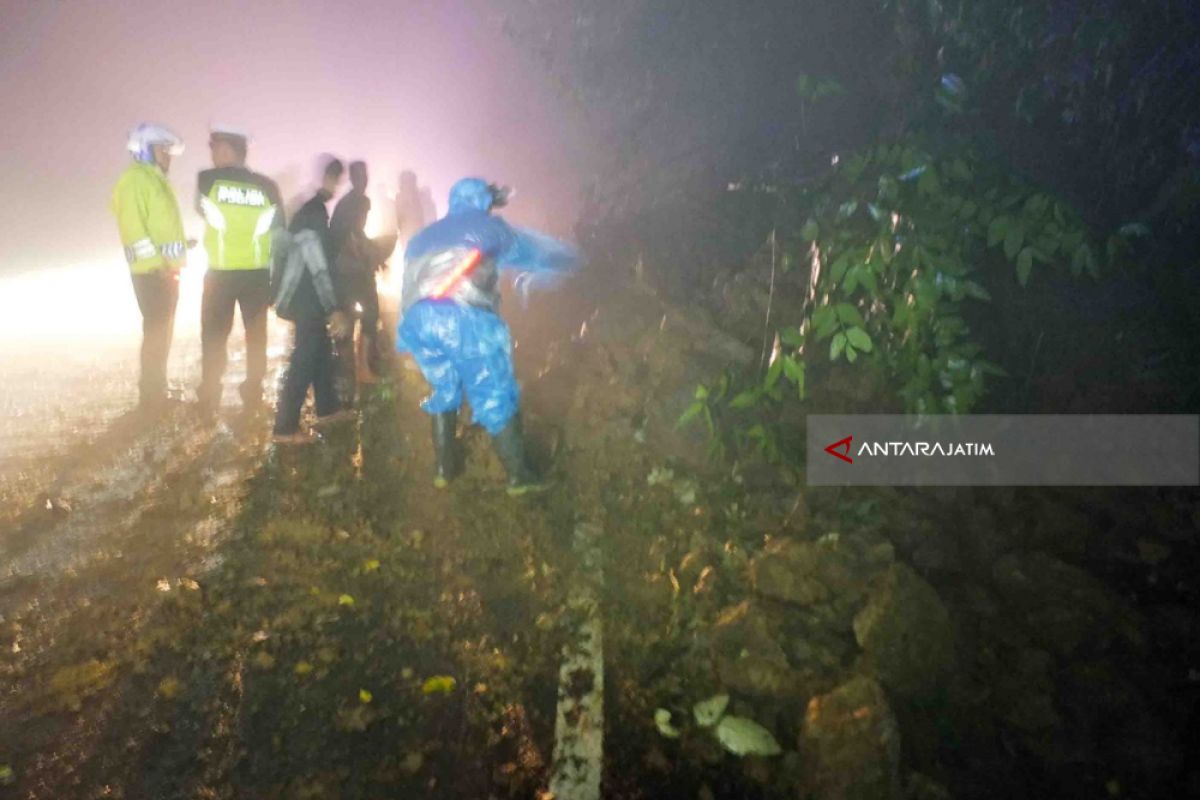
(186, 610)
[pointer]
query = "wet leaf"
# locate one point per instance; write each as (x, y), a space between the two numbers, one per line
(708, 712)
(791, 337)
(370, 565)
(997, 230)
(1013, 241)
(364, 696)
(438, 684)
(836, 346)
(859, 338)
(849, 315)
(412, 762)
(745, 399)
(662, 721)
(689, 414)
(745, 737)
(1024, 265)
(810, 230)
(168, 688)
(345, 600)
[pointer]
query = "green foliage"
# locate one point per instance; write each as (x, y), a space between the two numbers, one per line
(904, 241)
(741, 419)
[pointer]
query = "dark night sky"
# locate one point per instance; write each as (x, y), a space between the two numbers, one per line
(427, 85)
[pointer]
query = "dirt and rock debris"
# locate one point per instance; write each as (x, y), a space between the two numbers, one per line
(213, 617)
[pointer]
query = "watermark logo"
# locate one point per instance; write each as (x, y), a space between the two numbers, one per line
(844, 456)
(1004, 450)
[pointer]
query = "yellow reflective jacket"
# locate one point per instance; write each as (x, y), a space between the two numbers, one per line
(148, 219)
(241, 211)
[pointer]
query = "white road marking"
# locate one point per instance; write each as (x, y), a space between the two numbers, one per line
(579, 725)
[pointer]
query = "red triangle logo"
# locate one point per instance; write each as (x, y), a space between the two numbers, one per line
(845, 454)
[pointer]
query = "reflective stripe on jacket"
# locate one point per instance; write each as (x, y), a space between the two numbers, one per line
(241, 210)
(148, 219)
(301, 254)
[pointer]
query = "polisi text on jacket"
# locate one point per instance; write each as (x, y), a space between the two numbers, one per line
(241, 195)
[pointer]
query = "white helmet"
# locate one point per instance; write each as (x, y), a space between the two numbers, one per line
(144, 136)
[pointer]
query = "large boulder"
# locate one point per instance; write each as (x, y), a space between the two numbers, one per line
(850, 744)
(748, 658)
(835, 572)
(1064, 609)
(1024, 692)
(1055, 526)
(906, 634)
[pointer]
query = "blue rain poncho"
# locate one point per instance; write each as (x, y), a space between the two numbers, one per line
(449, 322)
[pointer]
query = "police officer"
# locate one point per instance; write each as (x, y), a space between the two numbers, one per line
(152, 233)
(241, 210)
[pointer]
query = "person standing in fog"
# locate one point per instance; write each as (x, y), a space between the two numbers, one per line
(358, 260)
(309, 291)
(151, 231)
(410, 215)
(242, 212)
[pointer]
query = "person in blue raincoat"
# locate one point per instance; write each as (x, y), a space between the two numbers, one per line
(449, 320)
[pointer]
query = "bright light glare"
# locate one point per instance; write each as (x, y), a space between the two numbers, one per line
(90, 303)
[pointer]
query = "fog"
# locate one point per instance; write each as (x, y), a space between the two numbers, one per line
(430, 86)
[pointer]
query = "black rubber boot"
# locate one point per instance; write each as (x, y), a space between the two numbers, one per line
(444, 427)
(510, 447)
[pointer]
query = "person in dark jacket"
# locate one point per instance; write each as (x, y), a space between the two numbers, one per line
(309, 292)
(359, 259)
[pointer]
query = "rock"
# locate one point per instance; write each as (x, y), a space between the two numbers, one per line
(793, 572)
(984, 543)
(835, 570)
(759, 676)
(922, 787)
(910, 530)
(708, 338)
(850, 744)
(1152, 552)
(1023, 698)
(1063, 607)
(938, 553)
(906, 634)
(1057, 528)
(748, 656)
(743, 628)
(1110, 710)
(818, 650)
